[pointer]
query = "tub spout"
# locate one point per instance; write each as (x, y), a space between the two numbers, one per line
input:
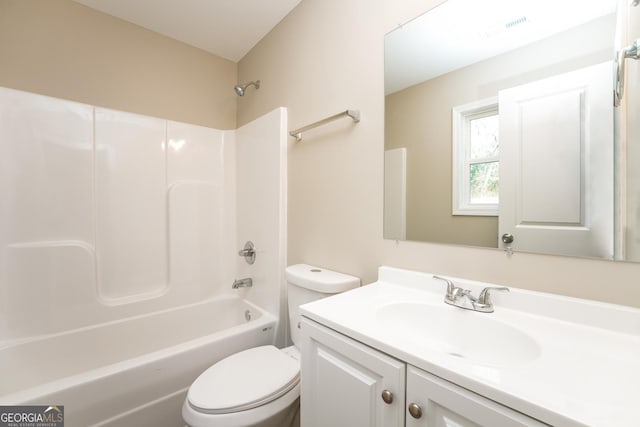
(242, 283)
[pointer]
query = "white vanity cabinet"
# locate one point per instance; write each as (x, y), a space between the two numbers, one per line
(348, 384)
(439, 403)
(343, 382)
(537, 358)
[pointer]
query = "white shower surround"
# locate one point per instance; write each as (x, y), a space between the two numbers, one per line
(108, 215)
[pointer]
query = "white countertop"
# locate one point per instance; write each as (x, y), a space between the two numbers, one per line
(587, 372)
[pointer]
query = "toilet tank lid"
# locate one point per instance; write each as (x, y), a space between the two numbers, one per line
(320, 279)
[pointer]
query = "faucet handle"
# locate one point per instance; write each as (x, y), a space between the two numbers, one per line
(450, 286)
(485, 294)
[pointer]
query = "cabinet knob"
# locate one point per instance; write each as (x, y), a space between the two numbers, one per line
(415, 410)
(387, 396)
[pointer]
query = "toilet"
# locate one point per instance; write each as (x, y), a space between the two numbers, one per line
(260, 386)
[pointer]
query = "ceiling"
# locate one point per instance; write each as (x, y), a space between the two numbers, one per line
(227, 28)
(459, 33)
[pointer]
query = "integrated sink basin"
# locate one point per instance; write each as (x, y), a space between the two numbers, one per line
(459, 333)
(561, 360)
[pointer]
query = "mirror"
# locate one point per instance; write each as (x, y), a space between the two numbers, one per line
(499, 128)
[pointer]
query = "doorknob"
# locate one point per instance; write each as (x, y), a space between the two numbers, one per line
(507, 238)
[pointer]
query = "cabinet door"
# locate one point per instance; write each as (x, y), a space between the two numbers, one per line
(342, 382)
(444, 404)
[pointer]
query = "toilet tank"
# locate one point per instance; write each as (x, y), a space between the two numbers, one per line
(306, 283)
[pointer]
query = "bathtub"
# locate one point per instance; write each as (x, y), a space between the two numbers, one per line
(131, 372)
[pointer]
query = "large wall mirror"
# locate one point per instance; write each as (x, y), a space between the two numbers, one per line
(501, 130)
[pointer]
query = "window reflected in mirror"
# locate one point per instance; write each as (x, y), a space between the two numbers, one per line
(445, 74)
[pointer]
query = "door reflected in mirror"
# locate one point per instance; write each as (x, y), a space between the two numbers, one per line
(499, 120)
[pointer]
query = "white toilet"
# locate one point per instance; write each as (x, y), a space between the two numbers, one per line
(260, 386)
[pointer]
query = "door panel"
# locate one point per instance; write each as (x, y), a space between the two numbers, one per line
(553, 196)
(556, 164)
(437, 399)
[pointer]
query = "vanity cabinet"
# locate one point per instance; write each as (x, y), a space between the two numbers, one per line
(348, 384)
(440, 403)
(343, 382)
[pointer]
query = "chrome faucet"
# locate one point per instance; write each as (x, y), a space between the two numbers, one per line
(462, 297)
(453, 292)
(242, 283)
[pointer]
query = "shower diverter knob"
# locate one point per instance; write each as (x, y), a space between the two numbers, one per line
(249, 252)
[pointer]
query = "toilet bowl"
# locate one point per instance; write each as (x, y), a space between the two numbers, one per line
(260, 386)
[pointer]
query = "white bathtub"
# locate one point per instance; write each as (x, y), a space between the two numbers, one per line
(133, 372)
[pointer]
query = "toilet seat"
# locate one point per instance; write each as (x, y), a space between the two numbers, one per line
(245, 380)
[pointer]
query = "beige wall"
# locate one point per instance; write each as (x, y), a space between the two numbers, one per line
(419, 118)
(66, 50)
(324, 57)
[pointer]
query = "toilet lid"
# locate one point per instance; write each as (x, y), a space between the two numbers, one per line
(244, 380)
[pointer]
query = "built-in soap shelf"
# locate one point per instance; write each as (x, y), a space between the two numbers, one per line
(53, 244)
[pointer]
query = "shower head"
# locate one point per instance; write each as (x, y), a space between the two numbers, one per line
(240, 89)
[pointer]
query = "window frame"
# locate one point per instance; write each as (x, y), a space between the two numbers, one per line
(461, 117)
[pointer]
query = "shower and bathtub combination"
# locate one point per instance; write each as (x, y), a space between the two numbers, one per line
(119, 240)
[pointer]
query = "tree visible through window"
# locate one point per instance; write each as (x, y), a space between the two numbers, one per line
(483, 160)
(476, 150)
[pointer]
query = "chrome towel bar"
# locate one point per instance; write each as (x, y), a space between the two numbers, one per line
(354, 114)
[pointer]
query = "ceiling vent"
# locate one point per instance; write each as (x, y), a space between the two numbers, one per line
(514, 23)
